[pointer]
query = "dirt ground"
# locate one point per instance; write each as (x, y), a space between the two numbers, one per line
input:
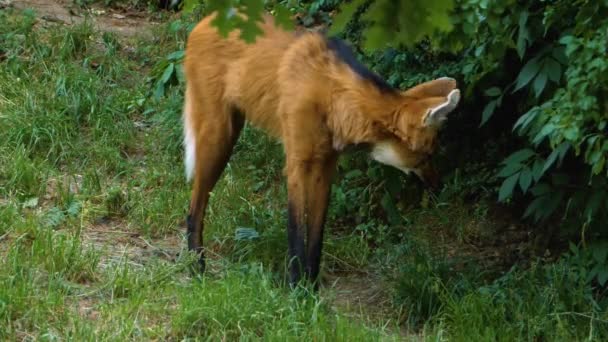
(125, 22)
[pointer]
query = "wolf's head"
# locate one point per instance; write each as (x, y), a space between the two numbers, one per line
(414, 125)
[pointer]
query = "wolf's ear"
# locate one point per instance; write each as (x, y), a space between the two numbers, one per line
(439, 87)
(438, 112)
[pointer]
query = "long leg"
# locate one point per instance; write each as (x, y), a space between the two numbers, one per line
(320, 185)
(214, 138)
(309, 183)
(295, 238)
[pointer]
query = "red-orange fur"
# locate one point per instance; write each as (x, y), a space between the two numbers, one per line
(296, 89)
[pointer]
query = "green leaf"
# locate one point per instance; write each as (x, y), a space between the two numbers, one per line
(487, 112)
(562, 149)
(559, 53)
(539, 83)
(550, 160)
(250, 31)
(553, 69)
(524, 35)
(537, 170)
(493, 92)
(159, 91)
(509, 170)
(167, 73)
(571, 133)
(525, 120)
(388, 26)
(527, 73)
(224, 20)
(546, 130)
(519, 156)
(525, 179)
(506, 190)
(346, 13)
(176, 55)
(179, 73)
(254, 10)
(283, 18)
(565, 40)
(375, 39)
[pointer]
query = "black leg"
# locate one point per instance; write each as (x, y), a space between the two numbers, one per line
(309, 184)
(313, 261)
(295, 236)
(194, 243)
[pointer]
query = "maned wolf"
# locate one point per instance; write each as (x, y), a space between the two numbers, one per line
(310, 92)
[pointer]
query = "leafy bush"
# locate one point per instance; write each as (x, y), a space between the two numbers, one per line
(561, 84)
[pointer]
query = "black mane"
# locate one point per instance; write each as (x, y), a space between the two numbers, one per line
(345, 53)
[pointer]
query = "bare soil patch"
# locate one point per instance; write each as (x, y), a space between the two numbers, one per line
(120, 242)
(125, 22)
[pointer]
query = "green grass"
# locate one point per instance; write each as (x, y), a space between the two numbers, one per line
(92, 207)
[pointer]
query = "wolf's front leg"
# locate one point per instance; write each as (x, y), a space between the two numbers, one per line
(309, 185)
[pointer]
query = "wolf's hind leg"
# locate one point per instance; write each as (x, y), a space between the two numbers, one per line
(208, 149)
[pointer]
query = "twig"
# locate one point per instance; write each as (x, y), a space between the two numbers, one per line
(52, 19)
(110, 231)
(344, 262)
(156, 248)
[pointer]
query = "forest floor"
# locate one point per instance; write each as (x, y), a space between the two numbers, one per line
(93, 200)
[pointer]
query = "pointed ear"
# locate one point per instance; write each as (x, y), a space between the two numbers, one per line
(438, 113)
(439, 87)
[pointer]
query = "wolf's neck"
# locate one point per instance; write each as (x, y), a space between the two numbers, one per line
(359, 115)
